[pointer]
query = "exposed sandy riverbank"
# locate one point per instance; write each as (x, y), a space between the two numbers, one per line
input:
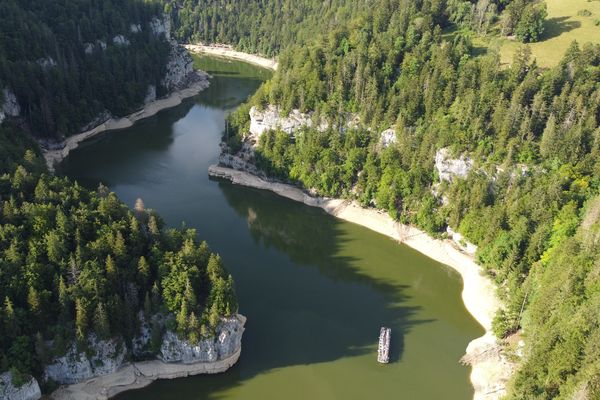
(137, 376)
(53, 157)
(228, 52)
(489, 374)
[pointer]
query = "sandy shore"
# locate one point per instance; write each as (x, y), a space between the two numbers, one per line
(489, 374)
(228, 52)
(53, 157)
(137, 376)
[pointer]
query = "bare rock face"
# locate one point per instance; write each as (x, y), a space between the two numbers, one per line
(135, 28)
(161, 27)
(10, 106)
(120, 40)
(225, 344)
(270, 118)
(387, 137)
(450, 168)
(30, 390)
(150, 94)
(75, 366)
(179, 68)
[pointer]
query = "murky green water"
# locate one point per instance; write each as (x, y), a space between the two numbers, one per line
(315, 289)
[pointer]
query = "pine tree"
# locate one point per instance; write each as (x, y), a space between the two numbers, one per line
(182, 319)
(143, 271)
(101, 323)
(81, 320)
(194, 329)
(111, 270)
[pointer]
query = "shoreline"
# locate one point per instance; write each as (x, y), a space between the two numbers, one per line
(490, 371)
(54, 157)
(229, 52)
(137, 376)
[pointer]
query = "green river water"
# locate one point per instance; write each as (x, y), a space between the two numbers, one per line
(315, 289)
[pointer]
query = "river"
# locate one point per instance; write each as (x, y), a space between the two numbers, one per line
(315, 289)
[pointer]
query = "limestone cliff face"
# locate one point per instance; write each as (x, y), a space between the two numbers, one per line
(449, 168)
(30, 390)
(106, 357)
(9, 106)
(227, 341)
(180, 68)
(270, 118)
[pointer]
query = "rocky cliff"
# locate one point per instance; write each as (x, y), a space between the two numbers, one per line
(9, 106)
(270, 118)
(180, 69)
(103, 357)
(449, 168)
(30, 390)
(227, 341)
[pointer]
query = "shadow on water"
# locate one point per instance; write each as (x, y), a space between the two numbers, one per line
(305, 302)
(315, 290)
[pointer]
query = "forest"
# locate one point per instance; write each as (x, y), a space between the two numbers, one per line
(61, 60)
(76, 262)
(530, 202)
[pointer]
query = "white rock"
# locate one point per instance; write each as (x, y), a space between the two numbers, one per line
(450, 168)
(88, 48)
(150, 94)
(270, 118)
(120, 40)
(73, 367)
(161, 27)
(102, 44)
(387, 137)
(227, 342)
(47, 62)
(30, 390)
(179, 67)
(459, 239)
(10, 105)
(135, 28)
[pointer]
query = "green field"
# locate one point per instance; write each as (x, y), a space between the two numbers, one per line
(563, 25)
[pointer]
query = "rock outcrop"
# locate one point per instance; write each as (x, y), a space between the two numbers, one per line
(387, 137)
(9, 107)
(180, 69)
(227, 342)
(30, 390)
(161, 26)
(450, 168)
(270, 118)
(120, 40)
(75, 366)
(461, 242)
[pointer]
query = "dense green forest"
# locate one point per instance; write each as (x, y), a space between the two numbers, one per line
(267, 27)
(61, 59)
(75, 262)
(532, 134)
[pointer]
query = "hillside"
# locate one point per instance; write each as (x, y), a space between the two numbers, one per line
(522, 144)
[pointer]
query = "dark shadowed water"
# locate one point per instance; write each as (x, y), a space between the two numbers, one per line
(315, 289)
